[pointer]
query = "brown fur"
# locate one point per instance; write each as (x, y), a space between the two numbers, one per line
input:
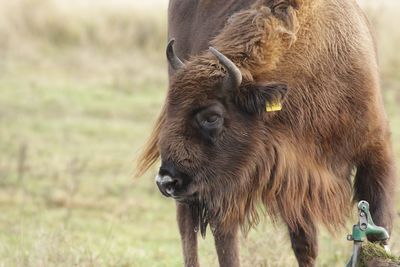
(298, 161)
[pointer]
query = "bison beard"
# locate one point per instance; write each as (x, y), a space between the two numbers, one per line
(200, 216)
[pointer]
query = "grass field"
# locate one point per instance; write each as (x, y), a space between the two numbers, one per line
(80, 87)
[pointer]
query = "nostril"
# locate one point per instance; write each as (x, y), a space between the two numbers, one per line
(170, 187)
(170, 182)
(173, 183)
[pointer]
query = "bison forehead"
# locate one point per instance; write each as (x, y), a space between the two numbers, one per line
(202, 71)
(194, 93)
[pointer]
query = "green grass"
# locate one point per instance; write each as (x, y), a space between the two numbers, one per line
(74, 112)
(372, 252)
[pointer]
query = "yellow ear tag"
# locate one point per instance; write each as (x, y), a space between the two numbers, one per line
(275, 106)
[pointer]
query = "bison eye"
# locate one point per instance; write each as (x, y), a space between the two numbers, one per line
(210, 120)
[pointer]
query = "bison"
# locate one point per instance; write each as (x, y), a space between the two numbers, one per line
(280, 111)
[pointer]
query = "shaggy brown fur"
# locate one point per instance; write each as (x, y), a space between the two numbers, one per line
(298, 161)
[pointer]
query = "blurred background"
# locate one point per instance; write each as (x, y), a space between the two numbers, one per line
(81, 83)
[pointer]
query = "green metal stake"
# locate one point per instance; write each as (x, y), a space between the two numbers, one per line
(364, 229)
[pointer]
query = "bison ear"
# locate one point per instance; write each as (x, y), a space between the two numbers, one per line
(258, 99)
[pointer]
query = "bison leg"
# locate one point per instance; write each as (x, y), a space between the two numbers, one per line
(188, 235)
(375, 183)
(305, 246)
(227, 246)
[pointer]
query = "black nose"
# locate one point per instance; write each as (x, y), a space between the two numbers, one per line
(168, 185)
(168, 180)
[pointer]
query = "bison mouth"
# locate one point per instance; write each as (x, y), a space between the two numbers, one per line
(186, 199)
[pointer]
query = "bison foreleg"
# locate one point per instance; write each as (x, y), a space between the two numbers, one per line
(187, 228)
(305, 246)
(227, 246)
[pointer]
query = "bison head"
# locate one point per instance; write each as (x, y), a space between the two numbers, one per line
(214, 129)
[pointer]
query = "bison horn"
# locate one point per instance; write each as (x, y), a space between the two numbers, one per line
(173, 59)
(234, 77)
